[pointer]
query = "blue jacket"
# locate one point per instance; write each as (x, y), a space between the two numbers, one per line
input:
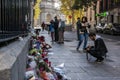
(51, 28)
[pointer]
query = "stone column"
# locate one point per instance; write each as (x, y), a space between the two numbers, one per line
(116, 11)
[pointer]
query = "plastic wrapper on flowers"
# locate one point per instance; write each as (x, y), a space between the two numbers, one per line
(30, 75)
(59, 70)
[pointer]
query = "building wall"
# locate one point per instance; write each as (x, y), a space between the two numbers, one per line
(48, 8)
(113, 9)
(98, 11)
(90, 14)
(47, 11)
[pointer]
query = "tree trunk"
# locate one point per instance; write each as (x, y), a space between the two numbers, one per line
(73, 19)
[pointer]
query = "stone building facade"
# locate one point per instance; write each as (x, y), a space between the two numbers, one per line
(48, 11)
(111, 9)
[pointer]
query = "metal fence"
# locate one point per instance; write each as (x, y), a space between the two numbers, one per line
(14, 15)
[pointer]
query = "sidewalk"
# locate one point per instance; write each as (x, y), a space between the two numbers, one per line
(76, 65)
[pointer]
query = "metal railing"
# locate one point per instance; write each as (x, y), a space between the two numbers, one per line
(14, 18)
(8, 35)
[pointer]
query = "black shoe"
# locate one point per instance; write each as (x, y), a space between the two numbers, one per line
(77, 49)
(84, 50)
(96, 60)
(101, 59)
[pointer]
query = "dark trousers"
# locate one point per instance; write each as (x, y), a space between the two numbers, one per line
(78, 34)
(52, 36)
(56, 35)
(95, 54)
(61, 36)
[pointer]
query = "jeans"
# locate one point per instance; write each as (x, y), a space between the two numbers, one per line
(83, 37)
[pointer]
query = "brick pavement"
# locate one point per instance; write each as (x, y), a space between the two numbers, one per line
(76, 65)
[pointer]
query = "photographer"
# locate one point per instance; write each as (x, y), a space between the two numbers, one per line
(99, 49)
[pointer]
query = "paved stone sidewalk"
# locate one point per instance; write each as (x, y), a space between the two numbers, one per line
(76, 65)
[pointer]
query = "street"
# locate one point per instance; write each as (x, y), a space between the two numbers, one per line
(23, 50)
(76, 65)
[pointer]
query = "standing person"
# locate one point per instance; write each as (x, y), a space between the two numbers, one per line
(78, 27)
(56, 23)
(99, 49)
(83, 33)
(43, 26)
(51, 29)
(61, 28)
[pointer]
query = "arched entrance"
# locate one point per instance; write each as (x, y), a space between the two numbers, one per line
(49, 17)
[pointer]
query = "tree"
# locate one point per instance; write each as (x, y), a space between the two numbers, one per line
(80, 4)
(36, 11)
(69, 11)
(84, 4)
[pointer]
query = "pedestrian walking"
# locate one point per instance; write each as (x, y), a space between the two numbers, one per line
(99, 49)
(83, 33)
(52, 30)
(61, 28)
(78, 27)
(56, 23)
(43, 26)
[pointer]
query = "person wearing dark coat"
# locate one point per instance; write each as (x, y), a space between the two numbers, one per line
(99, 49)
(56, 23)
(43, 26)
(78, 24)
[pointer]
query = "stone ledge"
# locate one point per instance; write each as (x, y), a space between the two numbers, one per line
(13, 60)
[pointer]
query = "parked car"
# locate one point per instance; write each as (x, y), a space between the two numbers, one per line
(100, 27)
(113, 29)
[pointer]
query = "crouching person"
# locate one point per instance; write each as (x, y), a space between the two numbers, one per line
(99, 49)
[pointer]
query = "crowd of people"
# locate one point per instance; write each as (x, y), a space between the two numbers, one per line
(56, 29)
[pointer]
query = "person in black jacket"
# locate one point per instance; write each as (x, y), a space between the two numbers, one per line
(78, 27)
(99, 49)
(56, 23)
